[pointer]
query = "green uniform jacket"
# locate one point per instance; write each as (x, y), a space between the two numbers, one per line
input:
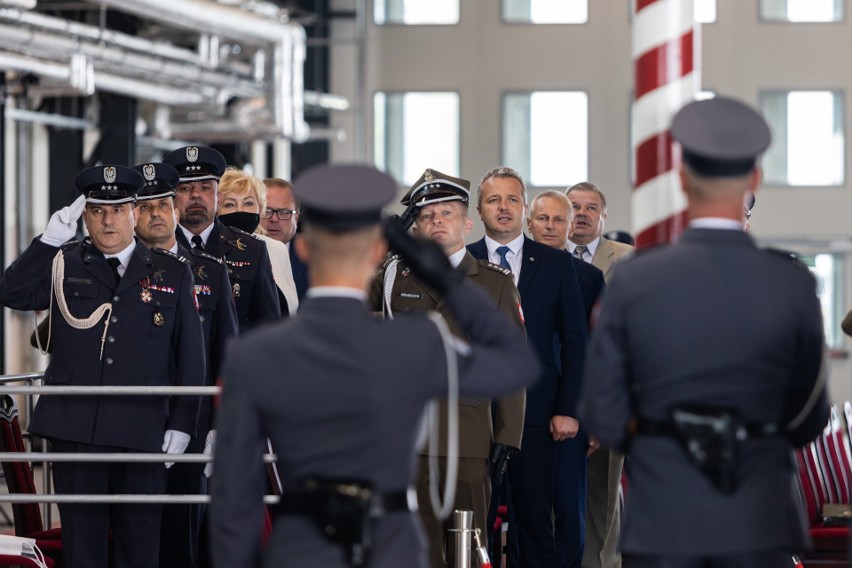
(475, 420)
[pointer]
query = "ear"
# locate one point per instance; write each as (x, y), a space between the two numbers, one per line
(468, 226)
(754, 179)
(681, 174)
(529, 225)
(301, 249)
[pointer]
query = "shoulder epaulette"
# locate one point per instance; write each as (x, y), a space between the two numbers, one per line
(202, 254)
(70, 245)
(241, 232)
(389, 259)
(789, 255)
(496, 267)
(170, 254)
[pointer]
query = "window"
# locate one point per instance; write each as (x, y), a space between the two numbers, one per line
(801, 10)
(546, 11)
(546, 136)
(807, 138)
(416, 12)
(828, 270)
(705, 11)
(414, 131)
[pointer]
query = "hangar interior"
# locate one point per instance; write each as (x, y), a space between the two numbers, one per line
(458, 85)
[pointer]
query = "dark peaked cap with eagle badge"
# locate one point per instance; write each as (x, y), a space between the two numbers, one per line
(343, 197)
(197, 163)
(720, 137)
(435, 187)
(160, 180)
(109, 183)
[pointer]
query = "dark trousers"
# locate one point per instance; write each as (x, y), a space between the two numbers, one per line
(86, 526)
(756, 559)
(181, 524)
(547, 482)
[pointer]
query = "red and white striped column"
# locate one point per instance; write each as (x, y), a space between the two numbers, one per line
(666, 76)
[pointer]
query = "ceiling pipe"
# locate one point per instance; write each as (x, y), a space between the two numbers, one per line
(203, 16)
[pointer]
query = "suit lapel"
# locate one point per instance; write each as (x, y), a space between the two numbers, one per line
(529, 265)
(140, 267)
(95, 264)
(478, 250)
(603, 256)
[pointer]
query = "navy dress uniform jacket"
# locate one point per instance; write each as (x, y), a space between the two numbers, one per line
(140, 349)
(325, 388)
(712, 320)
(249, 269)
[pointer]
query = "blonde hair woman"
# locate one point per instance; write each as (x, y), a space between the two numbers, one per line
(242, 199)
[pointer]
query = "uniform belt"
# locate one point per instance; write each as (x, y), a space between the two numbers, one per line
(646, 427)
(303, 502)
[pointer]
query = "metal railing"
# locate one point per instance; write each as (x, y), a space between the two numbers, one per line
(45, 458)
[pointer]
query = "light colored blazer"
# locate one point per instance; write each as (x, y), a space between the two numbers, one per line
(608, 253)
(282, 273)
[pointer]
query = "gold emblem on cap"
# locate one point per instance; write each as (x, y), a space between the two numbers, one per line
(428, 175)
(109, 174)
(159, 319)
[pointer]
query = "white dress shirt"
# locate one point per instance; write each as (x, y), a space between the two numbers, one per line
(514, 257)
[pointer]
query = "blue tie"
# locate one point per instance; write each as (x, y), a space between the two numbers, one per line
(503, 251)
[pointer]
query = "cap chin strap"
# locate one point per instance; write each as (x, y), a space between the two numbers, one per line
(97, 201)
(169, 193)
(199, 178)
(86, 323)
(441, 200)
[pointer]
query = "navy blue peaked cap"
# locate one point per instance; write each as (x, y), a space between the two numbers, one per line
(197, 163)
(160, 180)
(109, 183)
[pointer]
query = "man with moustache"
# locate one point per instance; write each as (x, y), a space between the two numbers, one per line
(603, 519)
(246, 258)
(280, 220)
(155, 226)
(556, 326)
(124, 315)
(485, 442)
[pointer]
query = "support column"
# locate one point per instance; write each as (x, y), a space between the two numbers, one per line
(666, 56)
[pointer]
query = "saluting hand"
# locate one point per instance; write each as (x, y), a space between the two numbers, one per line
(62, 226)
(563, 427)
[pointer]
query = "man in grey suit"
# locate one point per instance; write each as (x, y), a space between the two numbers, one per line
(697, 373)
(325, 388)
(603, 517)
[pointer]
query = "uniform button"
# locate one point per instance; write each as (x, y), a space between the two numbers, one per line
(115, 298)
(111, 339)
(109, 361)
(76, 293)
(113, 319)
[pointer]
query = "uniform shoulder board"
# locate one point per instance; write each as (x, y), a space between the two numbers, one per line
(202, 254)
(170, 254)
(241, 232)
(789, 255)
(496, 267)
(389, 259)
(70, 245)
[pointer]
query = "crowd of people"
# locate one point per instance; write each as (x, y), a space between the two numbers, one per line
(555, 352)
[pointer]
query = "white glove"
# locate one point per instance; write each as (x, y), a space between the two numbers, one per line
(209, 444)
(175, 442)
(62, 225)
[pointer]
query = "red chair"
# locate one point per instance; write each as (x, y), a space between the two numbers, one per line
(825, 471)
(19, 480)
(8, 560)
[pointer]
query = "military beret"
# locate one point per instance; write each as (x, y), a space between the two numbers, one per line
(343, 197)
(720, 137)
(197, 163)
(109, 183)
(160, 180)
(435, 187)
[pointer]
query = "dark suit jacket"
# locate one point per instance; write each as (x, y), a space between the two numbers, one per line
(714, 321)
(300, 269)
(591, 282)
(249, 269)
(347, 413)
(477, 430)
(148, 343)
(553, 307)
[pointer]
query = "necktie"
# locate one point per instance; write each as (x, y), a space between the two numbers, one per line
(197, 243)
(503, 251)
(114, 263)
(580, 250)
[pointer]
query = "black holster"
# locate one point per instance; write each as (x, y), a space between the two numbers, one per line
(711, 438)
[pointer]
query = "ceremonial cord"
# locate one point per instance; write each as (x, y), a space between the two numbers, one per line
(387, 289)
(58, 271)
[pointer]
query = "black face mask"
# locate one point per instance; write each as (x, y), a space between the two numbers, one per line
(242, 220)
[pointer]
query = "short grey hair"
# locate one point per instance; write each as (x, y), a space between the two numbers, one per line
(552, 194)
(587, 186)
(501, 172)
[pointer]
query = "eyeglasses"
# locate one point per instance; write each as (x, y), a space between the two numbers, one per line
(283, 214)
